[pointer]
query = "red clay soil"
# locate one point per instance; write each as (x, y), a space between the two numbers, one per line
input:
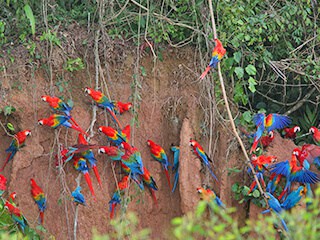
(169, 113)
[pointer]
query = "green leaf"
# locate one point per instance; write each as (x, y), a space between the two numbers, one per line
(202, 206)
(235, 187)
(256, 193)
(10, 127)
(252, 83)
(30, 16)
(247, 116)
(251, 70)
(7, 110)
(237, 56)
(143, 71)
(239, 72)
(176, 221)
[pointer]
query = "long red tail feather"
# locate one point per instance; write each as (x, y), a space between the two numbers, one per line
(168, 177)
(79, 129)
(205, 72)
(115, 118)
(5, 163)
(74, 121)
(95, 170)
(282, 194)
(253, 184)
(254, 146)
(153, 194)
(41, 217)
(88, 180)
(112, 210)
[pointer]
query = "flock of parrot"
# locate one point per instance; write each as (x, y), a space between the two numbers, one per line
(120, 151)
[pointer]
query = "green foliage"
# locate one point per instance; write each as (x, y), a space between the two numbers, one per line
(241, 195)
(74, 65)
(51, 37)
(8, 110)
(30, 16)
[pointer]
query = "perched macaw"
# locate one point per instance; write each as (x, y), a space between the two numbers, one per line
(16, 215)
(116, 198)
(80, 164)
(55, 120)
(63, 156)
(316, 134)
(271, 122)
(122, 107)
(175, 168)
(117, 137)
(293, 172)
(38, 196)
(114, 153)
(218, 52)
(77, 196)
(208, 195)
(3, 184)
(158, 153)
(149, 181)
(103, 102)
(311, 153)
(290, 133)
(266, 140)
(88, 154)
(132, 158)
(136, 177)
(200, 153)
(17, 142)
(260, 164)
(12, 197)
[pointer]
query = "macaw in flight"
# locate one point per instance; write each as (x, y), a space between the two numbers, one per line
(55, 120)
(116, 198)
(290, 133)
(103, 102)
(271, 122)
(208, 195)
(17, 142)
(39, 197)
(311, 153)
(218, 52)
(200, 153)
(175, 168)
(158, 153)
(77, 197)
(3, 184)
(80, 164)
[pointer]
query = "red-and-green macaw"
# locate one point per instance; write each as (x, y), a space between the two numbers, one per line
(293, 172)
(114, 153)
(158, 153)
(16, 215)
(266, 140)
(17, 142)
(200, 153)
(39, 197)
(80, 164)
(260, 165)
(149, 181)
(122, 107)
(12, 197)
(117, 137)
(315, 134)
(55, 120)
(132, 158)
(136, 177)
(271, 122)
(58, 105)
(208, 195)
(3, 184)
(116, 198)
(77, 196)
(88, 154)
(175, 168)
(103, 102)
(290, 133)
(218, 52)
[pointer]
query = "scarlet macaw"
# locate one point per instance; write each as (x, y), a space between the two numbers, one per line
(77, 196)
(117, 137)
(122, 107)
(316, 134)
(88, 154)
(200, 153)
(208, 195)
(55, 120)
(103, 102)
(3, 184)
(116, 198)
(311, 153)
(38, 196)
(266, 140)
(158, 153)
(80, 164)
(175, 168)
(16, 215)
(114, 153)
(290, 133)
(149, 181)
(218, 52)
(132, 158)
(17, 142)
(136, 177)
(271, 122)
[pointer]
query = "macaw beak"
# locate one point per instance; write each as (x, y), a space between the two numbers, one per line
(87, 91)
(40, 122)
(101, 150)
